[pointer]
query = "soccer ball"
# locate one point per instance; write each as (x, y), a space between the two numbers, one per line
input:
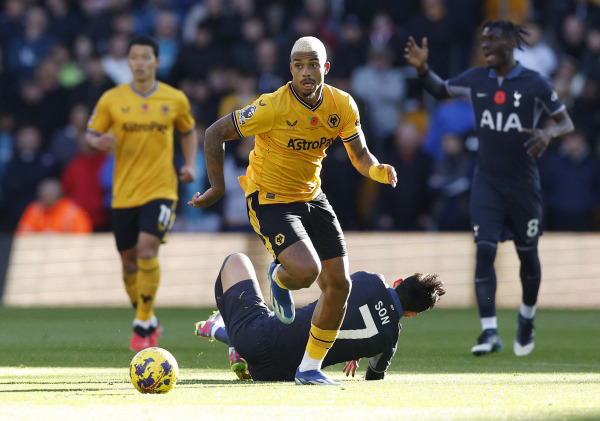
(154, 370)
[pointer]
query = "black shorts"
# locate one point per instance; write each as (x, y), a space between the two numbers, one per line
(500, 213)
(155, 217)
(279, 225)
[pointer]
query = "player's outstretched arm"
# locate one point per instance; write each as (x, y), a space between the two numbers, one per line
(537, 144)
(217, 134)
(366, 163)
(417, 57)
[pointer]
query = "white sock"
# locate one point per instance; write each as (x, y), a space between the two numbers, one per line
(153, 322)
(309, 363)
(214, 330)
(527, 311)
(489, 323)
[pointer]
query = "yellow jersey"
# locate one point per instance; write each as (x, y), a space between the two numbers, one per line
(291, 137)
(143, 126)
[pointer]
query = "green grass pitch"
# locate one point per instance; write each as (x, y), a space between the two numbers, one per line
(73, 364)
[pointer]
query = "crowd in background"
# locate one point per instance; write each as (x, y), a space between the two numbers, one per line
(58, 56)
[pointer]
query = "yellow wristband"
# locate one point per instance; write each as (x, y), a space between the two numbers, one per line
(379, 174)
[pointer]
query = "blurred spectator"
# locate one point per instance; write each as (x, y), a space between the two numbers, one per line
(123, 23)
(99, 17)
(42, 101)
(7, 139)
(432, 21)
(27, 168)
(243, 93)
(384, 35)
(449, 116)
(64, 143)
(382, 88)
(105, 179)
(399, 11)
(571, 37)
(69, 73)
(271, 75)
(95, 84)
(407, 207)
(450, 184)
(537, 54)
(51, 212)
(11, 22)
(196, 57)
(65, 23)
(585, 111)
(326, 28)
(591, 57)
(145, 14)
(516, 11)
(83, 48)
(571, 183)
(25, 52)
(167, 36)
(235, 215)
(568, 81)
(351, 51)
(344, 186)
(114, 62)
(80, 178)
(189, 218)
(243, 52)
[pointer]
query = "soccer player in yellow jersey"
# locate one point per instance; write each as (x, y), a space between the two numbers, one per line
(293, 127)
(137, 120)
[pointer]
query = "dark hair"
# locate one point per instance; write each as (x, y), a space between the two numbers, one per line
(509, 29)
(144, 40)
(420, 292)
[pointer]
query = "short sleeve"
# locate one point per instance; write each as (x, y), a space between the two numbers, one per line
(254, 119)
(100, 120)
(351, 127)
(185, 120)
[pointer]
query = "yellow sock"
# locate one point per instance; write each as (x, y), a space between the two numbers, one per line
(147, 284)
(129, 279)
(276, 278)
(319, 342)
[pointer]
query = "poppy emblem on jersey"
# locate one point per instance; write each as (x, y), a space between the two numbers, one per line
(517, 96)
(246, 114)
(144, 106)
(500, 97)
(313, 120)
(165, 109)
(333, 120)
(279, 239)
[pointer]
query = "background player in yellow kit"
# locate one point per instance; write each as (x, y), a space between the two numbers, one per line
(293, 127)
(142, 116)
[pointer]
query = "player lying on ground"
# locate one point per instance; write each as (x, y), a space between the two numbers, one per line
(273, 350)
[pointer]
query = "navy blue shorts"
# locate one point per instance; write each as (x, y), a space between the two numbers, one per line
(280, 225)
(273, 350)
(500, 213)
(155, 217)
